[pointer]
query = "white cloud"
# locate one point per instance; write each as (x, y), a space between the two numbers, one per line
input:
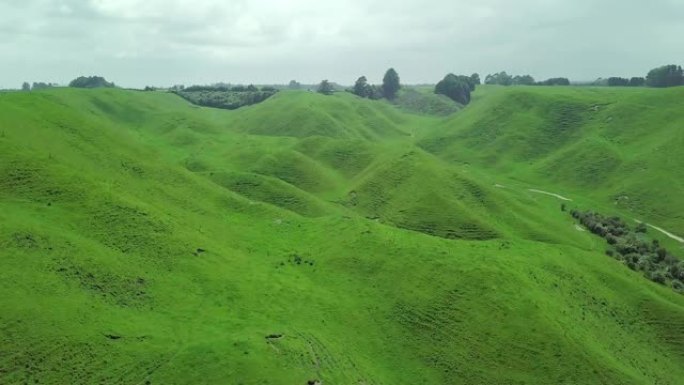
(138, 42)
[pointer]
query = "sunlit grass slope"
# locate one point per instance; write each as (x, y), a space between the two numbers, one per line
(621, 147)
(147, 241)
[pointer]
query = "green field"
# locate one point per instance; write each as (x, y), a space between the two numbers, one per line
(145, 240)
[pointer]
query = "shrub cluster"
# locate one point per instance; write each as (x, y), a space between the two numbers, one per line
(225, 97)
(634, 249)
(229, 88)
(457, 88)
(91, 82)
(365, 90)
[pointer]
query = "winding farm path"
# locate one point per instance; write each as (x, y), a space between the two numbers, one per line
(667, 233)
(550, 193)
(654, 227)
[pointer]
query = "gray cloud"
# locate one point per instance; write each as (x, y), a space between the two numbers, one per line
(136, 42)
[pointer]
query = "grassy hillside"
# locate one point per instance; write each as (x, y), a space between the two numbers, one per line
(147, 241)
(618, 147)
(419, 100)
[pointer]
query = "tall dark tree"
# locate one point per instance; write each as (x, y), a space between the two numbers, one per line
(325, 88)
(457, 88)
(665, 76)
(26, 86)
(294, 85)
(390, 84)
(475, 79)
(361, 87)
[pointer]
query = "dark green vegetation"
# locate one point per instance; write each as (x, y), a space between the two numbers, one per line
(624, 82)
(555, 82)
(334, 238)
(325, 88)
(389, 89)
(456, 88)
(504, 79)
(666, 76)
(414, 99)
(365, 90)
(37, 86)
(91, 82)
(635, 249)
(390, 84)
(229, 98)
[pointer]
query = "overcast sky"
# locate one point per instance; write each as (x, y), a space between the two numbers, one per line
(162, 42)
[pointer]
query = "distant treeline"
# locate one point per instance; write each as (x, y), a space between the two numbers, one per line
(621, 82)
(665, 76)
(79, 82)
(37, 86)
(504, 79)
(228, 88)
(456, 87)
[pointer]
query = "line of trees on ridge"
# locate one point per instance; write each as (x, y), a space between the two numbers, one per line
(670, 75)
(504, 79)
(391, 84)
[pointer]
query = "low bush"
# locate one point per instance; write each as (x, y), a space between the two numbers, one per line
(224, 98)
(632, 248)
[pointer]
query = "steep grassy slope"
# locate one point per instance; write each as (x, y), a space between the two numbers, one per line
(419, 100)
(143, 240)
(303, 114)
(618, 147)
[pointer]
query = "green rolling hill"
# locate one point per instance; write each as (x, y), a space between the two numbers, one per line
(619, 147)
(144, 240)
